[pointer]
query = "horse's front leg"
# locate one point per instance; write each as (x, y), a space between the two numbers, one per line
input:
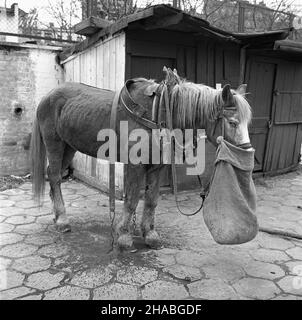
(134, 176)
(152, 238)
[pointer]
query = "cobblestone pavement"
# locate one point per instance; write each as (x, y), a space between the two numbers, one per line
(37, 262)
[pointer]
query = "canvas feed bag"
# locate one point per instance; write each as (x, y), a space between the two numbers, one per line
(230, 207)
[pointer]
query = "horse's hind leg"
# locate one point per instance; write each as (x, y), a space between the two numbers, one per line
(55, 155)
(152, 238)
(67, 158)
(134, 176)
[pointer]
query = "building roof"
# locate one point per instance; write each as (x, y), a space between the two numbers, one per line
(168, 18)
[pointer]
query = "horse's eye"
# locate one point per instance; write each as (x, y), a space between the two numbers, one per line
(233, 124)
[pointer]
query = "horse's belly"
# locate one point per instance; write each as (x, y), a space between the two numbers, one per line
(80, 123)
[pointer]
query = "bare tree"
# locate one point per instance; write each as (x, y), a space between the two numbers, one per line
(225, 13)
(66, 13)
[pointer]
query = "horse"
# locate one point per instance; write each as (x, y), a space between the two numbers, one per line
(70, 117)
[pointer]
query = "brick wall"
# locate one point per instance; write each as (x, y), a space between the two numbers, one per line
(27, 73)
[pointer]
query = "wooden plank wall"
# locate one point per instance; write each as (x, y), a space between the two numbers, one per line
(102, 66)
(285, 137)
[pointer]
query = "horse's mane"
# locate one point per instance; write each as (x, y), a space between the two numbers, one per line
(193, 103)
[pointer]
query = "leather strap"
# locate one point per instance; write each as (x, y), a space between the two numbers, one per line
(112, 165)
(173, 167)
(135, 110)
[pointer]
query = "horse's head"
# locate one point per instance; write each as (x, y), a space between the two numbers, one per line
(233, 118)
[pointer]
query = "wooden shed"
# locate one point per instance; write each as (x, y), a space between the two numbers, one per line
(142, 43)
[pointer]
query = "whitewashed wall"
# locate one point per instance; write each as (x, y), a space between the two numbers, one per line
(102, 66)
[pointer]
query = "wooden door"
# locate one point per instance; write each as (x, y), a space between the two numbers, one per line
(284, 140)
(150, 67)
(260, 77)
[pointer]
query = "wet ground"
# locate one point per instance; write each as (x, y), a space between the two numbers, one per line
(37, 262)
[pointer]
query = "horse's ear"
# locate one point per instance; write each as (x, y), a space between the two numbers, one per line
(241, 89)
(227, 95)
(151, 89)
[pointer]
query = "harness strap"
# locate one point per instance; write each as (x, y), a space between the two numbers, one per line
(135, 110)
(173, 167)
(112, 165)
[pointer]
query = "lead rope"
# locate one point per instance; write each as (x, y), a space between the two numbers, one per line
(174, 175)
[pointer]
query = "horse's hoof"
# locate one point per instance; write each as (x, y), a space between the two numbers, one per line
(62, 224)
(125, 241)
(63, 228)
(152, 240)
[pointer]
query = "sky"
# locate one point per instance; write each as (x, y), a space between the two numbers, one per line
(45, 17)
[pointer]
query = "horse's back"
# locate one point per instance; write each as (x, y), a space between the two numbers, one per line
(78, 112)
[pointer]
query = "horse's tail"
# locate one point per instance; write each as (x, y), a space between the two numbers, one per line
(38, 162)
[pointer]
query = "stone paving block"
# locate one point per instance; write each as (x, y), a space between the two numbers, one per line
(291, 284)
(53, 250)
(295, 253)
(47, 219)
(15, 293)
(264, 270)
(26, 186)
(2, 218)
(31, 264)
(20, 197)
(67, 293)
(192, 259)
(273, 242)
(37, 212)
(3, 196)
(184, 272)
(6, 227)
(116, 291)
(44, 280)
(10, 279)
(10, 238)
(6, 203)
(261, 209)
(40, 239)
(12, 211)
(212, 289)
(287, 297)
(26, 204)
(269, 255)
(21, 219)
(31, 228)
(13, 192)
(4, 263)
(92, 278)
(224, 271)
(268, 203)
(162, 260)
(136, 275)
(165, 251)
(32, 297)
(256, 288)
(18, 250)
(85, 204)
(165, 290)
(294, 267)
